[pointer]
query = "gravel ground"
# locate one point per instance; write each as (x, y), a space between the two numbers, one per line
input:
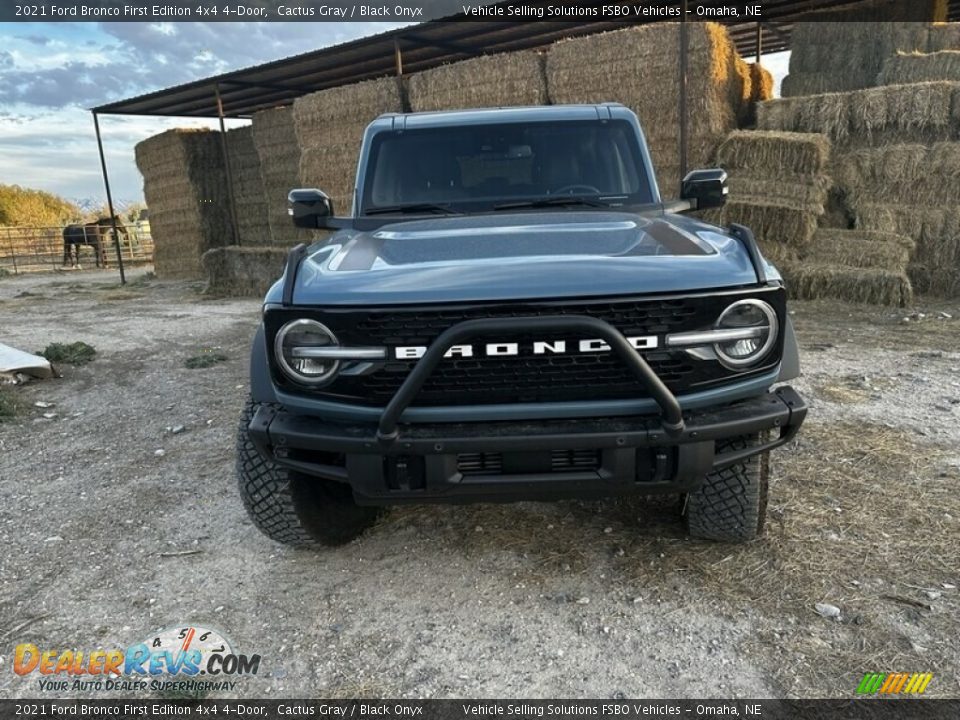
(604, 599)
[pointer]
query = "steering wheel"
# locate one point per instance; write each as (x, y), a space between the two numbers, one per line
(569, 189)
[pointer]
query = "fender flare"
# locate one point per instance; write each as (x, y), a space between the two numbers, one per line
(790, 361)
(261, 384)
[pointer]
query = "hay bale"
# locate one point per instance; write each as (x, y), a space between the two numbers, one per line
(812, 281)
(276, 142)
(943, 36)
(243, 271)
(329, 127)
(774, 154)
(916, 67)
(935, 264)
(253, 224)
(185, 187)
(637, 66)
(904, 174)
(846, 55)
(859, 248)
(921, 112)
(501, 80)
(772, 221)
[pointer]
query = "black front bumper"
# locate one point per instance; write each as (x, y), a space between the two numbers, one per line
(524, 460)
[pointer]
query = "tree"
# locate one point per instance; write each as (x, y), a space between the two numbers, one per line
(26, 207)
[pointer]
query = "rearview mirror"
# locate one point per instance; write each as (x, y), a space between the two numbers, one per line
(309, 208)
(707, 188)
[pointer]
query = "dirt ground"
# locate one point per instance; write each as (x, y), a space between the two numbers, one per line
(568, 599)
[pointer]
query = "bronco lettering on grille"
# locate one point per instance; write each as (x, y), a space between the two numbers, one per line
(539, 347)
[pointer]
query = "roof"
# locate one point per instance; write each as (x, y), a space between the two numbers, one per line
(477, 116)
(421, 47)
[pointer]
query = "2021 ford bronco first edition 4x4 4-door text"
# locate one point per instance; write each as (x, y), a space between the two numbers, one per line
(512, 313)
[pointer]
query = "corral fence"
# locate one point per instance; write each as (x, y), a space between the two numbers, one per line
(38, 249)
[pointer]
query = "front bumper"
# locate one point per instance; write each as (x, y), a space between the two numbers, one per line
(521, 460)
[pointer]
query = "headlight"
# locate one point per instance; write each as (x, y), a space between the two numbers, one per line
(753, 330)
(299, 354)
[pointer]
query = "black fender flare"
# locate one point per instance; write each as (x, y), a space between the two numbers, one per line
(261, 384)
(790, 361)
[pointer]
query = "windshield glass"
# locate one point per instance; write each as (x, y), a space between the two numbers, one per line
(471, 168)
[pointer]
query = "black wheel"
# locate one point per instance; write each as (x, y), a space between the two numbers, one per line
(731, 505)
(291, 508)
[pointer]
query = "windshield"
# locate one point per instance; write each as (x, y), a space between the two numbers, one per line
(473, 168)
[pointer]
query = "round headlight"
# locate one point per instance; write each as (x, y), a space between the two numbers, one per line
(758, 321)
(294, 348)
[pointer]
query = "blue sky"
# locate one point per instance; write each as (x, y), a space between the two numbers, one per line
(52, 73)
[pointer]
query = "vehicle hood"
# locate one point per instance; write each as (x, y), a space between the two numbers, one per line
(519, 256)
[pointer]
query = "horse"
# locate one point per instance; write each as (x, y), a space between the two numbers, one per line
(92, 234)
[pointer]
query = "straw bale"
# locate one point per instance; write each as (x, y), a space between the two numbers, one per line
(276, 142)
(843, 56)
(904, 68)
(812, 281)
(253, 225)
(501, 80)
(185, 186)
(243, 271)
(935, 265)
(921, 112)
(771, 221)
(329, 126)
(944, 36)
(807, 193)
(774, 154)
(911, 173)
(860, 248)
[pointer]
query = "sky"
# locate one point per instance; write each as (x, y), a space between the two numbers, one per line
(52, 73)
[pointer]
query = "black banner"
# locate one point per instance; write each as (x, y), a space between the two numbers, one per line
(867, 709)
(460, 10)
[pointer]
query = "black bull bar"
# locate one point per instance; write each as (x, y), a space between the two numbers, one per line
(671, 414)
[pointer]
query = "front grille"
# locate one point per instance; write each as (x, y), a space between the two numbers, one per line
(531, 378)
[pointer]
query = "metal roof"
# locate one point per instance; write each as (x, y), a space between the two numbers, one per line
(420, 47)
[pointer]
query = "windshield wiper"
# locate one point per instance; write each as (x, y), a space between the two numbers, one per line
(558, 201)
(411, 208)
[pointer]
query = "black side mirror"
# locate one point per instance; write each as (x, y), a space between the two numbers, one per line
(309, 208)
(707, 188)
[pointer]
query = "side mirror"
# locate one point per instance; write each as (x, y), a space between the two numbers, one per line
(309, 208)
(707, 188)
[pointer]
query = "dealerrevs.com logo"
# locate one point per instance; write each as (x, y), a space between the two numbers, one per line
(183, 659)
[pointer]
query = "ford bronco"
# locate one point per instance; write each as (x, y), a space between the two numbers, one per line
(511, 312)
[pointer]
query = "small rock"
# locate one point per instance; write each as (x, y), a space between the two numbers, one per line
(827, 610)
(948, 586)
(583, 601)
(944, 316)
(53, 539)
(638, 599)
(606, 629)
(177, 429)
(159, 452)
(608, 530)
(934, 594)
(478, 528)
(50, 415)
(42, 404)
(218, 608)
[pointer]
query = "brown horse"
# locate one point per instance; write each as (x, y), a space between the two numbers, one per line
(96, 234)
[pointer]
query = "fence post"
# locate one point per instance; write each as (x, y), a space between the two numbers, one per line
(13, 252)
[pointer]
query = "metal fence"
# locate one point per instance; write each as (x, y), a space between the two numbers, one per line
(37, 249)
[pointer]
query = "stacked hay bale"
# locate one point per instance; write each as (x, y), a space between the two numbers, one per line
(276, 142)
(243, 271)
(896, 164)
(329, 127)
(915, 67)
(185, 187)
(842, 56)
(501, 80)
(253, 225)
(638, 66)
(777, 182)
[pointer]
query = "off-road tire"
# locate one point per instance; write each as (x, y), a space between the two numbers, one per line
(731, 505)
(292, 508)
